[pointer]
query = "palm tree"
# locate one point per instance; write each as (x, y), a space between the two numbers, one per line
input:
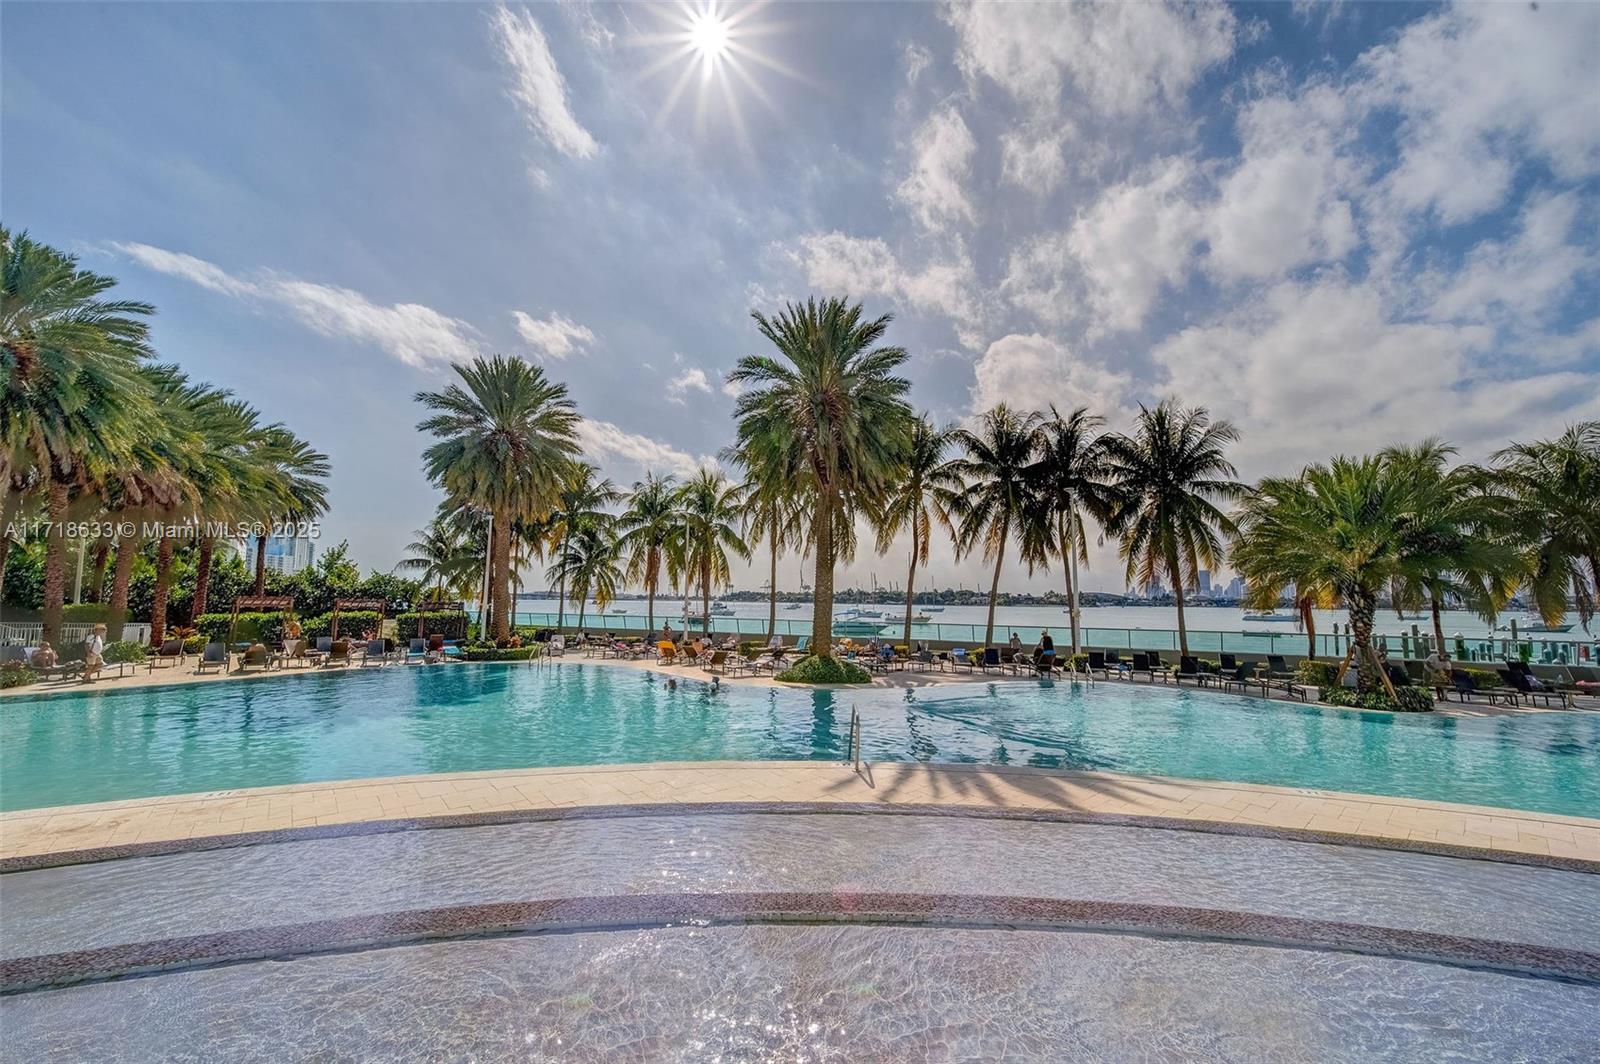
(646, 527)
(1551, 487)
(582, 502)
(442, 558)
(1345, 531)
(72, 393)
(772, 512)
(1457, 540)
(1071, 481)
(998, 500)
(297, 489)
(507, 438)
(918, 496)
(710, 512)
(234, 481)
(827, 415)
(591, 561)
(1166, 480)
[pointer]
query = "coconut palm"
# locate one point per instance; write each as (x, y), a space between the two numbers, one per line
(442, 558)
(772, 512)
(234, 482)
(1345, 531)
(918, 497)
(645, 528)
(711, 510)
(1070, 479)
(507, 438)
(583, 500)
(71, 394)
(590, 562)
(1167, 479)
(998, 500)
(297, 490)
(827, 414)
(1458, 537)
(1551, 487)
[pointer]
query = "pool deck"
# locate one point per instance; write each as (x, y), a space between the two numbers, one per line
(164, 822)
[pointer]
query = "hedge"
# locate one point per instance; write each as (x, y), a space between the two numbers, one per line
(15, 674)
(1317, 673)
(814, 669)
(252, 627)
(124, 650)
(449, 625)
(1406, 700)
(351, 624)
(499, 653)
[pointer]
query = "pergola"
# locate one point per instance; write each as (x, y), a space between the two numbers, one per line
(453, 606)
(258, 604)
(375, 605)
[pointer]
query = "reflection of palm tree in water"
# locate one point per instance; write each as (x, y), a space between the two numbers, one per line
(824, 740)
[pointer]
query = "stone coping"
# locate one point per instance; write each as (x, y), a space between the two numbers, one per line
(590, 914)
(71, 834)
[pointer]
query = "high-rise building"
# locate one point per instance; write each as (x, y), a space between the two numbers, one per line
(1204, 581)
(285, 554)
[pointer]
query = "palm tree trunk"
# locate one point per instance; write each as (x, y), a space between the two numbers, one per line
(127, 551)
(500, 577)
(1438, 622)
(705, 591)
(97, 580)
(772, 586)
(994, 586)
(261, 565)
(202, 577)
(5, 554)
(1177, 598)
(158, 602)
(55, 569)
(561, 583)
(911, 579)
(1069, 552)
(822, 599)
(1310, 622)
(1362, 607)
(652, 576)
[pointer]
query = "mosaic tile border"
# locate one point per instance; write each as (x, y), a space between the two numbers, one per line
(570, 915)
(61, 858)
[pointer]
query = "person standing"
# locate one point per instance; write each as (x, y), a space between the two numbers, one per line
(94, 650)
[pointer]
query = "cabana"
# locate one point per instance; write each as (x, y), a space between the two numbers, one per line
(355, 605)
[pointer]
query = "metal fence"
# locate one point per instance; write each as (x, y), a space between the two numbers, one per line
(27, 633)
(1481, 648)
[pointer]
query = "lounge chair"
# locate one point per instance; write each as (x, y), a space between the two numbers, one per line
(1243, 677)
(1097, 663)
(1189, 669)
(255, 657)
(1227, 665)
(171, 653)
(319, 655)
(59, 671)
(1531, 687)
(1159, 667)
(717, 662)
(1466, 688)
(416, 651)
(959, 659)
(666, 653)
(1278, 668)
(558, 646)
(924, 661)
(1141, 664)
(214, 656)
(338, 653)
(1114, 663)
(1045, 663)
(991, 660)
(374, 652)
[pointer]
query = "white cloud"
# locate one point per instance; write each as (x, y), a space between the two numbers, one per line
(607, 443)
(1474, 83)
(1322, 368)
(1123, 58)
(594, 32)
(555, 337)
(684, 381)
(942, 151)
(414, 334)
(537, 85)
(917, 59)
(1042, 279)
(1033, 161)
(837, 264)
(1524, 278)
(1030, 372)
(1285, 204)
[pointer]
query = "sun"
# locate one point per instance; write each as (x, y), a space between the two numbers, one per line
(708, 36)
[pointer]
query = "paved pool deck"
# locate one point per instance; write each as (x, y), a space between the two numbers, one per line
(166, 821)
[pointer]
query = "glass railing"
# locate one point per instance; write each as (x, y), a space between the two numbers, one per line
(1201, 643)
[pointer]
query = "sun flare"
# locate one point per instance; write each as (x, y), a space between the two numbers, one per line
(708, 36)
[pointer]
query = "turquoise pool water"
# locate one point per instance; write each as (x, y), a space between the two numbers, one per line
(134, 743)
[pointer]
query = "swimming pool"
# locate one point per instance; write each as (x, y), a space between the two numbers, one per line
(111, 744)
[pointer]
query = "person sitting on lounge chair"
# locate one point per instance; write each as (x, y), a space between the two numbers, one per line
(44, 657)
(435, 652)
(1046, 645)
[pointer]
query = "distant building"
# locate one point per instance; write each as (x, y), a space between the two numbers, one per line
(285, 554)
(1236, 588)
(1204, 581)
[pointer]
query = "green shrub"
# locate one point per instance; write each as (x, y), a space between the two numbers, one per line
(15, 674)
(1407, 699)
(449, 625)
(1482, 677)
(195, 644)
(124, 650)
(1317, 673)
(85, 613)
(814, 669)
(351, 624)
(252, 627)
(494, 653)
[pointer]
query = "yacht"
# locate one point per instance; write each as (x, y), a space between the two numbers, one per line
(721, 608)
(1535, 624)
(795, 606)
(1275, 617)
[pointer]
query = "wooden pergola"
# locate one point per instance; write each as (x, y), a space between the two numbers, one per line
(258, 604)
(452, 606)
(375, 605)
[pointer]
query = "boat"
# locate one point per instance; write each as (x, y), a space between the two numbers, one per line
(1277, 618)
(620, 609)
(795, 606)
(933, 609)
(855, 626)
(1535, 625)
(721, 608)
(920, 618)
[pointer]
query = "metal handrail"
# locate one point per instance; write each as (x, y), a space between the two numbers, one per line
(853, 743)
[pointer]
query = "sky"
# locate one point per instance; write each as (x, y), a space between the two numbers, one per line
(1339, 225)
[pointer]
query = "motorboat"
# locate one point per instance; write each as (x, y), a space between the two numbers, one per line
(721, 608)
(854, 626)
(933, 609)
(1275, 618)
(795, 606)
(1536, 625)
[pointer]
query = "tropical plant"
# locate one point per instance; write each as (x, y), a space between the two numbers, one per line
(444, 560)
(646, 527)
(1345, 530)
(997, 502)
(827, 415)
(711, 513)
(590, 563)
(774, 513)
(1551, 487)
(917, 497)
(233, 479)
(583, 502)
(297, 491)
(507, 438)
(1166, 480)
(71, 394)
(1070, 482)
